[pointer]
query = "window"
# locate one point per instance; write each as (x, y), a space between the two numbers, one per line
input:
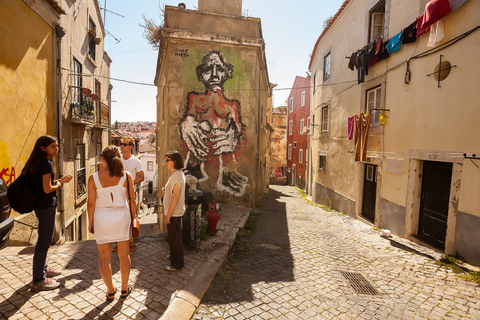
(377, 15)
(324, 127)
(98, 111)
(81, 173)
(91, 39)
(295, 144)
(302, 124)
(290, 127)
(291, 104)
(314, 77)
(98, 157)
(303, 98)
(322, 162)
(300, 156)
(289, 152)
(149, 165)
(308, 123)
(326, 67)
(77, 81)
(374, 97)
(313, 124)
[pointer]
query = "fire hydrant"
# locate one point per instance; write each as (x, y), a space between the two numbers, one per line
(213, 215)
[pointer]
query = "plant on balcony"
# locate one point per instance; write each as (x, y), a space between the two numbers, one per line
(95, 97)
(87, 91)
(92, 33)
(75, 108)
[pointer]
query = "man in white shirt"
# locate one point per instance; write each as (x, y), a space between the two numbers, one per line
(133, 165)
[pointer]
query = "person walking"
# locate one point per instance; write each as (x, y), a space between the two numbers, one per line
(40, 171)
(174, 208)
(109, 216)
(133, 165)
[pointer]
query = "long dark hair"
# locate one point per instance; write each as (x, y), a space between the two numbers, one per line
(38, 154)
(111, 154)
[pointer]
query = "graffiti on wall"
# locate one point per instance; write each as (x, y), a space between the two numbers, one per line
(7, 171)
(211, 128)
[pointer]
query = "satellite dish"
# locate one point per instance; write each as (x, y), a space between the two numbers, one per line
(151, 138)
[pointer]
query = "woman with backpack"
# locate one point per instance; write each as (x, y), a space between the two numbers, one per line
(174, 208)
(40, 170)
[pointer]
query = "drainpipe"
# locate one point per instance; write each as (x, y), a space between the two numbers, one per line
(60, 32)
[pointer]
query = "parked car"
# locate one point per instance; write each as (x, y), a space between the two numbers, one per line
(6, 222)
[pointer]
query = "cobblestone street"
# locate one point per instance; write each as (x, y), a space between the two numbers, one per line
(296, 263)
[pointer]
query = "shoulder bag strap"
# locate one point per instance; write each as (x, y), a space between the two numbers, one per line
(129, 201)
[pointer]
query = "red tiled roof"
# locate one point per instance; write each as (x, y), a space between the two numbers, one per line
(344, 4)
(54, 4)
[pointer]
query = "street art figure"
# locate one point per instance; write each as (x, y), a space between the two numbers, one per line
(211, 128)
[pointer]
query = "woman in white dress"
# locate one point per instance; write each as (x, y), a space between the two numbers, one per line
(109, 216)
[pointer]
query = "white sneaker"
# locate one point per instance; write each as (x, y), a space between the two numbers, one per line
(45, 285)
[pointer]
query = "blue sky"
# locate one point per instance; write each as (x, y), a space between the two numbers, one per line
(290, 30)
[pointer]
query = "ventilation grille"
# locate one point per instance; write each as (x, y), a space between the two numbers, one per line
(359, 283)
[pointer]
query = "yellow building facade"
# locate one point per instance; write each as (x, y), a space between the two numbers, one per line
(417, 178)
(54, 76)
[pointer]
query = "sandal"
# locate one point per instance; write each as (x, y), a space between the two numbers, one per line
(125, 293)
(134, 247)
(111, 295)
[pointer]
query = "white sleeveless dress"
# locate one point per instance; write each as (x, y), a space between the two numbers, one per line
(111, 218)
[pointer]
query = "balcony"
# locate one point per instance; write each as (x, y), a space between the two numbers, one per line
(83, 107)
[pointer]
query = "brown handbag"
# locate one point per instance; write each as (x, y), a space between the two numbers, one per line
(134, 225)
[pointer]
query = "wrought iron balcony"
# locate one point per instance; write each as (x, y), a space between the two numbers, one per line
(83, 107)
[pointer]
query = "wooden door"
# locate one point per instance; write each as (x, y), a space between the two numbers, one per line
(435, 195)
(369, 192)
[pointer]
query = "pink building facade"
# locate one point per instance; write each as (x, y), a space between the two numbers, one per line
(298, 128)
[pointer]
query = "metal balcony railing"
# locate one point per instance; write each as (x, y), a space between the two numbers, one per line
(81, 182)
(83, 107)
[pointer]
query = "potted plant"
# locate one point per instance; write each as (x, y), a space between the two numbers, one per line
(87, 91)
(95, 97)
(75, 108)
(96, 41)
(92, 33)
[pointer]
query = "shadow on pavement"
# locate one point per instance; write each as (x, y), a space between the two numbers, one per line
(17, 299)
(267, 258)
(402, 246)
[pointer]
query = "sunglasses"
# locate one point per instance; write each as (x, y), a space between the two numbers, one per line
(125, 144)
(167, 160)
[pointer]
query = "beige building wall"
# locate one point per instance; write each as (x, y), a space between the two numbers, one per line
(85, 131)
(242, 104)
(425, 122)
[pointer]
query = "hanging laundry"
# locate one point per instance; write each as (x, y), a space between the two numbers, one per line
(420, 30)
(383, 53)
(353, 61)
(436, 33)
(394, 43)
(410, 33)
(378, 46)
(361, 65)
(362, 125)
(350, 127)
(434, 11)
(455, 4)
(371, 50)
(372, 61)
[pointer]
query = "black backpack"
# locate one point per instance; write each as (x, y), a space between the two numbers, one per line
(22, 195)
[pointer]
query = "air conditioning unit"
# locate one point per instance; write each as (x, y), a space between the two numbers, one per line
(304, 131)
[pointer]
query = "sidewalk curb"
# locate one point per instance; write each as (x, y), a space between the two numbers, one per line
(184, 304)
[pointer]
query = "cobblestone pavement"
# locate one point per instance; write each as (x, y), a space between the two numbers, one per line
(294, 263)
(82, 292)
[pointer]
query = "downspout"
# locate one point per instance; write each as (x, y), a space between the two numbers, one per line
(60, 32)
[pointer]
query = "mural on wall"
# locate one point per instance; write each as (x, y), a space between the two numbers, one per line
(211, 127)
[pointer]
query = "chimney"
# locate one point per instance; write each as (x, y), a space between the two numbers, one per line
(230, 7)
